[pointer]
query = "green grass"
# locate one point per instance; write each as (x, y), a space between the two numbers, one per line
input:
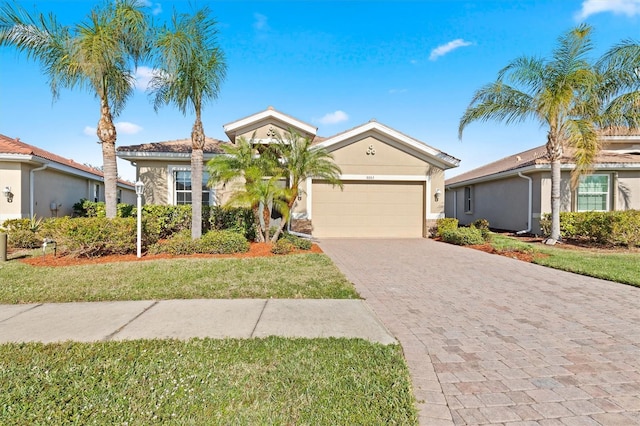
(311, 276)
(257, 381)
(618, 266)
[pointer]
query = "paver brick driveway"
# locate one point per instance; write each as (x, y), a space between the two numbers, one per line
(490, 339)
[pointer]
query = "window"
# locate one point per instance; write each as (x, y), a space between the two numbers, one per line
(468, 199)
(593, 193)
(119, 196)
(96, 193)
(183, 188)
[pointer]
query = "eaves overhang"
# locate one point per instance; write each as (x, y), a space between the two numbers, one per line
(539, 168)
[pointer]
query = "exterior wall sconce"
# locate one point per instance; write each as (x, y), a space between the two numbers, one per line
(8, 194)
(437, 194)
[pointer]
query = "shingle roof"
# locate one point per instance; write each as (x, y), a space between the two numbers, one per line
(211, 146)
(537, 156)
(16, 146)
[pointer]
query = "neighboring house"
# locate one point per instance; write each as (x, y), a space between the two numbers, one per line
(47, 185)
(393, 184)
(514, 192)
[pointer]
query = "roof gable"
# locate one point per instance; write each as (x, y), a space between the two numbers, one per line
(408, 144)
(236, 127)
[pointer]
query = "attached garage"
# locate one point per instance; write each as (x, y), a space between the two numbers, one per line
(369, 209)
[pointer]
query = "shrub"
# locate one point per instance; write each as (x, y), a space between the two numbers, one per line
(23, 233)
(463, 236)
(483, 226)
(23, 238)
(213, 242)
(238, 219)
(86, 208)
(299, 243)
(179, 243)
(604, 228)
(222, 242)
(160, 221)
(445, 224)
(282, 246)
(94, 236)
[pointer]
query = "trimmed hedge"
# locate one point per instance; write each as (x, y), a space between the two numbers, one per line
(604, 228)
(463, 236)
(299, 243)
(23, 233)
(92, 236)
(86, 208)
(238, 219)
(445, 224)
(213, 242)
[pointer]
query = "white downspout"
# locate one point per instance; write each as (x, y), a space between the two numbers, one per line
(32, 188)
(530, 207)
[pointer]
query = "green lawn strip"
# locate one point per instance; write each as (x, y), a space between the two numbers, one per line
(311, 276)
(206, 381)
(615, 266)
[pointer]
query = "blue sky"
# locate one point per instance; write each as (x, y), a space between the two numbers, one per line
(412, 65)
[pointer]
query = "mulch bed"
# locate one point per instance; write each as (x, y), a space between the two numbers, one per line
(255, 250)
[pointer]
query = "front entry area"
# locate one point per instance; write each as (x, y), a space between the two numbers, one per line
(368, 209)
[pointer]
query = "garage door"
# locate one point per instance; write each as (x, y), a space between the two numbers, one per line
(368, 209)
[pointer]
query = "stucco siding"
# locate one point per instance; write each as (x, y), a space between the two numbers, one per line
(61, 190)
(263, 130)
(11, 176)
(628, 194)
(154, 175)
(371, 156)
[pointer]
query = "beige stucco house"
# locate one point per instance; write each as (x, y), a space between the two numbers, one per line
(514, 192)
(37, 182)
(393, 183)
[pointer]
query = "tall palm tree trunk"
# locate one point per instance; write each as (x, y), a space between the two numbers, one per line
(107, 134)
(554, 151)
(197, 157)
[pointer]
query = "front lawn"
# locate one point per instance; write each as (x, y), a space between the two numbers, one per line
(311, 276)
(255, 381)
(622, 266)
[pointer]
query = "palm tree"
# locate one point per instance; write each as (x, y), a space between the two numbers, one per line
(302, 160)
(189, 70)
(262, 193)
(98, 54)
(241, 161)
(569, 95)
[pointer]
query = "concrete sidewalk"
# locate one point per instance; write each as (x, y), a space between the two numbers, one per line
(184, 319)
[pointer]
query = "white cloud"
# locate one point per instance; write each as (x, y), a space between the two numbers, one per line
(143, 77)
(127, 128)
(122, 127)
(618, 7)
(448, 47)
(261, 22)
(156, 8)
(334, 117)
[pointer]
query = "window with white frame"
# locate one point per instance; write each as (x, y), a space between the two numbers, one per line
(593, 193)
(182, 188)
(468, 199)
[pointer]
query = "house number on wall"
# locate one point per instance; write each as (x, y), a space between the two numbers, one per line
(371, 177)
(371, 150)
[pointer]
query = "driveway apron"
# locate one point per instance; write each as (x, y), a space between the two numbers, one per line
(493, 340)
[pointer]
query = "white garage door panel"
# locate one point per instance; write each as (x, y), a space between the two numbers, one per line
(367, 209)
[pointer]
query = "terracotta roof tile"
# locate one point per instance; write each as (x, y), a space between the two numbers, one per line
(16, 146)
(211, 146)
